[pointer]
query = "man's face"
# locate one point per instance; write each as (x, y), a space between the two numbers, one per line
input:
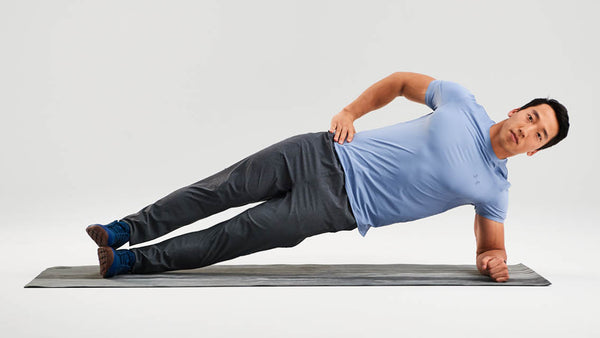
(529, 129)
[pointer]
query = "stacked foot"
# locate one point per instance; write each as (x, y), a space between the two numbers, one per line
(114, 234)
(115, 262)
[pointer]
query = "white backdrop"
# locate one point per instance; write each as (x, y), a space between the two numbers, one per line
(108, 106)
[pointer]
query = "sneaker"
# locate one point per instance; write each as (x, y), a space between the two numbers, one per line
(115, 262)
(114, 234)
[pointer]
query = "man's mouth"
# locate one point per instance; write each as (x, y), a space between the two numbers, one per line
(514, 137)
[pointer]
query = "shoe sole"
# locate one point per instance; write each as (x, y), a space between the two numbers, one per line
(106, 258)
(98, 235)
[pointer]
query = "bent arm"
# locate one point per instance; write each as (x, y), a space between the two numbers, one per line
(491, 254)
(413, 86)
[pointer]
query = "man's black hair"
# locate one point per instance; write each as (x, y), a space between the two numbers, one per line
(561, 116)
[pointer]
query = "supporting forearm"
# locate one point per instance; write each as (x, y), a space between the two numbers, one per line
(491, 254)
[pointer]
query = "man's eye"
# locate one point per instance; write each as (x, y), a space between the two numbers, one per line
(539, 136)
(530, 118)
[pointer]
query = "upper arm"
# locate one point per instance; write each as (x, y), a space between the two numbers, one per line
(413, 86)
(489, 234)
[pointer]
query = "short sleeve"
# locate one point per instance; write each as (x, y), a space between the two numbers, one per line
(441, 92)
(496, 209)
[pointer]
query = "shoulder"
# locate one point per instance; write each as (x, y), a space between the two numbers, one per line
(494, 206)
(440, 92)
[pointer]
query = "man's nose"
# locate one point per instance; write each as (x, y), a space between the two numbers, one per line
(529, 130)
(524, 131)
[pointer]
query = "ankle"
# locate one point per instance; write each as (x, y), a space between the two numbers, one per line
(128, 259)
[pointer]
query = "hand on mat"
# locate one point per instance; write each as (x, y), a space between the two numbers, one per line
(495, 267)
(343, 127)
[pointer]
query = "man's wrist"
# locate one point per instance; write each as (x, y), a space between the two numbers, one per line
(351, 113)
(495, 252)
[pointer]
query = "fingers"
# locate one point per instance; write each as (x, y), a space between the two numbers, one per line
(485, 262)
(336, 127)
(501, 279)
(342, 133)
(342, 126)
(501, 276)
(351, 133)
(493, 262)
(497, 269)
(336, 137)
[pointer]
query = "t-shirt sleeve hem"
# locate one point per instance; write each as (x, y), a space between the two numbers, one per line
(493, 218)
(429, 94)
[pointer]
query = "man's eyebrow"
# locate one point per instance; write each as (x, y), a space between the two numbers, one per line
(537, 118)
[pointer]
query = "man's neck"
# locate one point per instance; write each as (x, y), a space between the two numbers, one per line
(495, 140)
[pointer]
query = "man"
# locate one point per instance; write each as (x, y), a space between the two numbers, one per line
(316, 183)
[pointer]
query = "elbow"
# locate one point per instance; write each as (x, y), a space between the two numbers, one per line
(398, 82)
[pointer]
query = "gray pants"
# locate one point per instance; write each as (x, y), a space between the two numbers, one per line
(300, 180)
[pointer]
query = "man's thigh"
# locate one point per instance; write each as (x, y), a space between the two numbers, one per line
(305, 211)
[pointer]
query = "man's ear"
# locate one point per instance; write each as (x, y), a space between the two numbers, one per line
(530, 153)
(510, 113)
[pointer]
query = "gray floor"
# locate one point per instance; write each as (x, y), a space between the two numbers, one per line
(566, 308)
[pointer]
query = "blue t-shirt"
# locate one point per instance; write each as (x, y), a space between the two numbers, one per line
(426, 166)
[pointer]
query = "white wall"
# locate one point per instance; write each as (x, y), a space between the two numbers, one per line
(109, 105)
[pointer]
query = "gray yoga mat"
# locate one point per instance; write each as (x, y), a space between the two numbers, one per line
(287, 275)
